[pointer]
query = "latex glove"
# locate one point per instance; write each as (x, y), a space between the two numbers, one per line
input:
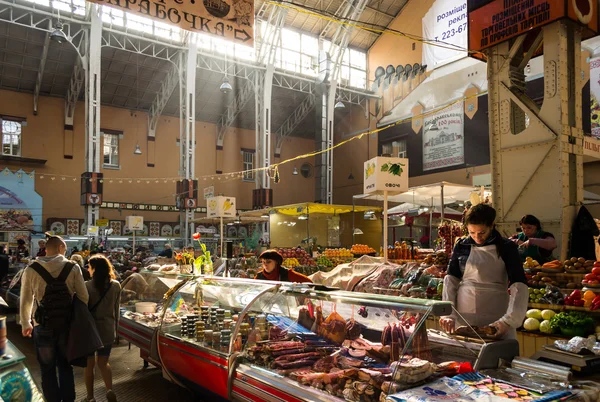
(448, 324)
(501, 328)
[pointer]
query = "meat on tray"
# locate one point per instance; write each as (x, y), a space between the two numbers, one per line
(484, 332)
(298, 356)
(298, 363)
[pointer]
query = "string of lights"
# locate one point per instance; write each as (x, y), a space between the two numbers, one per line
(272, 170)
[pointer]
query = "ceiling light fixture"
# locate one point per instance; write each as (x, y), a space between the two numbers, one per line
(138, 150)
(295, 172)
(357, 231)
(339, 104)
(350, 176)
(58, 35)
(225, 86)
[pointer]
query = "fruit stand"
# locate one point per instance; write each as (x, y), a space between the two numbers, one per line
(564, 301)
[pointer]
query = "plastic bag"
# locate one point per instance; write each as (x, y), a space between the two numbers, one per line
(443, 390)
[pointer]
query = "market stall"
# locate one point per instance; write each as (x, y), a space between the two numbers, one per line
(239, 339)
(321, 225)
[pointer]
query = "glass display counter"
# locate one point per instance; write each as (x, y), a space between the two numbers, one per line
(242, 339)
(16, 382)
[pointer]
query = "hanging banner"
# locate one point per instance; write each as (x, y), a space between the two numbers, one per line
(493, 22)
(446, 21)
(595, 96)
(228, 19)
(443, 138)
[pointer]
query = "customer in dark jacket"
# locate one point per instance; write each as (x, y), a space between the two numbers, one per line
(582, 236)
(105, 296)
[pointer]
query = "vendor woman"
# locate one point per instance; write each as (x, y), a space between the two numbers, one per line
(485, 280)
(273, 271)
(533, 241)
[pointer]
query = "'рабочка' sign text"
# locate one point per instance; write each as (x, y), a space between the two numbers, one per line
(228, 19)
(504, 19)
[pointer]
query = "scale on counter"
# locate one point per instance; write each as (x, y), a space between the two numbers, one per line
(579, 364)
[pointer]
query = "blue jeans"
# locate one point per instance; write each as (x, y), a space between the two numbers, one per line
(51, 348)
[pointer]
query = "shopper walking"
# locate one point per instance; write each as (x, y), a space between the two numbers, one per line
(105, 297)
(51, 281)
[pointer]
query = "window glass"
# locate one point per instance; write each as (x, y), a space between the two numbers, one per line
(11, 138)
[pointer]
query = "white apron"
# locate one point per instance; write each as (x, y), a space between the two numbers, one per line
(482, 297)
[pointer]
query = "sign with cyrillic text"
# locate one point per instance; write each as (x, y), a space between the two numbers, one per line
(500, 20)
(446, 21)
(228, 19)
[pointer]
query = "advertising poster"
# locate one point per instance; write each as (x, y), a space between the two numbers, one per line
(595, 96)
(446, 21)
(443, 138)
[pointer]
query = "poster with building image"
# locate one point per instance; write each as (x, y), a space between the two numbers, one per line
(443, 138)
(595, 96)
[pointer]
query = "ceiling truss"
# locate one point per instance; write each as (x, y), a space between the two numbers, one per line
(215, 65)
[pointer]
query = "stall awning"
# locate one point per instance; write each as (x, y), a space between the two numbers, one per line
(429, 195)
(310, 208)
(407, 207)
(242, 220)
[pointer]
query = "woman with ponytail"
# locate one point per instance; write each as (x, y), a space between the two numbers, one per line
(105, 297)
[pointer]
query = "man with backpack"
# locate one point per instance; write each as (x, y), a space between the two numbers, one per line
(47, 289)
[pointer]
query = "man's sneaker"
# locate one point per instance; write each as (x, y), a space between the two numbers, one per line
(110, 396)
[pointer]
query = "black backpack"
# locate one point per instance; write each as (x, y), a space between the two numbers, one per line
(54, 310)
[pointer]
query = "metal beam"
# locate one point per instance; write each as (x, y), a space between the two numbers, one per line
(160, 101)
(375, 10)
(40, 74)
(75, 85)
(292, 122)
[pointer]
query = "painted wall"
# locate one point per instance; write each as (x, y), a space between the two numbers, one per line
(43, 138)
(394, 49)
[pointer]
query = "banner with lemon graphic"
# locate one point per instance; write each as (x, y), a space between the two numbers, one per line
(386, 174)
(220, 207)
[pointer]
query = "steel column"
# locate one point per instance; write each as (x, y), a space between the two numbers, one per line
(92, 103)
(532, 164)
(263, 92)
(352, 9)
(187, 133)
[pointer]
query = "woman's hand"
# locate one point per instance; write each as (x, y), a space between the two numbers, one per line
(524, 244)
(501, 328)
(448, 324)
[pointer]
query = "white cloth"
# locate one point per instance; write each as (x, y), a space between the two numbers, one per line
(482, 297)
(34, 286)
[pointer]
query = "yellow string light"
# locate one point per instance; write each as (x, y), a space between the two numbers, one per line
(270, 170)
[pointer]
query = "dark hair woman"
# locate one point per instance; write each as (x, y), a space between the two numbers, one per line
(105, 297)
(273, 270)
(485, 267)
(533, 241)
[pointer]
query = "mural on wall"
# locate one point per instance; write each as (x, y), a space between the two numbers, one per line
(443, 138)
(595, 96)
(20, 205)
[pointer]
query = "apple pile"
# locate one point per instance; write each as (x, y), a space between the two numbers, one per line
(298, 253)
(593, 278)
